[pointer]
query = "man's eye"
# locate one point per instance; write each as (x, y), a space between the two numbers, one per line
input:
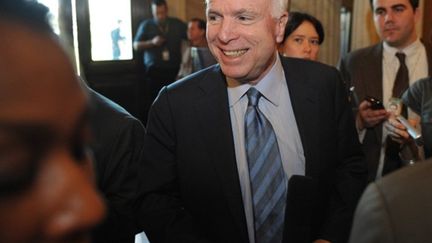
(213, 18)
(246, 19)
(399, 9)
(379, 12)
(18, 169)
(22, 151)
(243, 18)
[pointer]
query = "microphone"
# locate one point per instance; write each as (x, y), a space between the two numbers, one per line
(301, 197)
(414, 134)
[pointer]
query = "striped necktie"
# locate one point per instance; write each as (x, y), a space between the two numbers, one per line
(267, 177)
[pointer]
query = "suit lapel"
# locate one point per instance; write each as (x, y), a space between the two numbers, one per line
(374, 64)
(303, 99)
(213, 116)
(429, 56)
(375, 86)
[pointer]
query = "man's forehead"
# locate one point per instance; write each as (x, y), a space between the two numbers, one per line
(238, 6)
(389, 3)
(37, 79)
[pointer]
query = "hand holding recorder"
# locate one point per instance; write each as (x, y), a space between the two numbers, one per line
(402, 130)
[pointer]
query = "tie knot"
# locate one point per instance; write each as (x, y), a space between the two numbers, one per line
(401, 56)
(253, 96)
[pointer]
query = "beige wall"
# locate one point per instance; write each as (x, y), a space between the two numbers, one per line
(187, 9)
(195, 9)
(177, 8)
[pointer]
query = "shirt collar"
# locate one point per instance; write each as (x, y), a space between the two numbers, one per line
(270, 86)
(410, 50)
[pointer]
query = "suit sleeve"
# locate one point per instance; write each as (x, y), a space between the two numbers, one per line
(162, 214)
(118, 180)
(349, 178)
(372, 222)
(346, 78)
(141, 32)
(414, 94)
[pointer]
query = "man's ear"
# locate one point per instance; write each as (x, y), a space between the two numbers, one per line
(417, 15)
(280, 27)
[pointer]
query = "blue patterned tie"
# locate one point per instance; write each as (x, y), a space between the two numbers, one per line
(266, 173)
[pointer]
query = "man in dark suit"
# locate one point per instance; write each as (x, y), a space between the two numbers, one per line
(372, 72)
(397, 208)
(197, 186)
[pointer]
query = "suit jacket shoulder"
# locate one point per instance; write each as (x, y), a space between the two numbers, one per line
(399, 207)
(418, 94)
(117, 145)
(359, 60)
(428, 47)
(362, 69)
(366, 52)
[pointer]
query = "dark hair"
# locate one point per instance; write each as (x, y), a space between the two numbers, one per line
(297, 18)
(28, 13)
(159, 2)
(414, 4)
(201, 23)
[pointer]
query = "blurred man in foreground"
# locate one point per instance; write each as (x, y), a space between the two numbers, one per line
(46, 189)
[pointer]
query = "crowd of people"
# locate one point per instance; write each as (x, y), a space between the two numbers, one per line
(258, 143)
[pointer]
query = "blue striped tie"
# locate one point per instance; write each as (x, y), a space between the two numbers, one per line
(266, 173)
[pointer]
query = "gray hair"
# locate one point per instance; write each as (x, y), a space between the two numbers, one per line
(278, 7)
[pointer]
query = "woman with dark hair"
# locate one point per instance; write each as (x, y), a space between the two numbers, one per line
(303, 36)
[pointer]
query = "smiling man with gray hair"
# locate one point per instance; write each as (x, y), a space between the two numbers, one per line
(257, 148)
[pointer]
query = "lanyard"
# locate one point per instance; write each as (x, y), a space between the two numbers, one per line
(165, 29)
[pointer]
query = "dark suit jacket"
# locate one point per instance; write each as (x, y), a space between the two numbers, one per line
(397, 208)
(363, 70)
(191, 188)
(117, 144)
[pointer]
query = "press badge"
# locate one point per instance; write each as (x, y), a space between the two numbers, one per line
(165, 54)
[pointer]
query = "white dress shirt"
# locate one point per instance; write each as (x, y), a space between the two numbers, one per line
(276, 107)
